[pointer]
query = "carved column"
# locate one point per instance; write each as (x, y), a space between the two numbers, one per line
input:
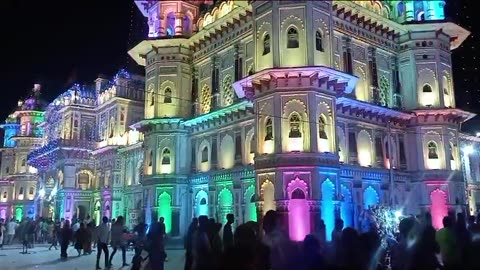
(282, 212)
(409, 10)
(178, 24)
(162, 25)
(372, 64)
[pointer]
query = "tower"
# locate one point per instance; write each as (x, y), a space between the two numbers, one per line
(168, 100)
(425, 75)
(292, 35)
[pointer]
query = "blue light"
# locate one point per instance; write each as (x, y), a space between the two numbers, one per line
(370, 197)
(328, 209)
(346, 212)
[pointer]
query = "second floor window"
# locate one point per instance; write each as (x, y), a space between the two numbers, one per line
(168, 96)
(266, 44)
(432, 150)
(295, 126)
(292, 38)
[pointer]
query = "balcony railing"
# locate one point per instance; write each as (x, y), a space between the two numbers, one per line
(61, 143)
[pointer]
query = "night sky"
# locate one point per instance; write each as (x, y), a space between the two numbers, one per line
(57, 43)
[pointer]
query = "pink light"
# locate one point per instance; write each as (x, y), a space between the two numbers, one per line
(298, 219)
(439, 208)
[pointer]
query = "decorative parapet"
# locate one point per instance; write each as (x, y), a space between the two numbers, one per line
(46, 155)
(223, 175)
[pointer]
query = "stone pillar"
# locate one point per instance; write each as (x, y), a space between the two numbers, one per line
(315, 217)
(163, 25)
(178, 24)
(282, 214)
(409, 10)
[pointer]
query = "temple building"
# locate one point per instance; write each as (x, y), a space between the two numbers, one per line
(317, 109)
(77, 165)
(18, 181)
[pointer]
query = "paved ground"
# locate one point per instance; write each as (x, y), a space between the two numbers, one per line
(40, 258)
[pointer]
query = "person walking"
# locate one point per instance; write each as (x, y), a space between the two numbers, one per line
(54, 235)
(66, 235)
(102, 235)
(119, 240)
(227, 232)
(11, 228)
(87, 245)
(80, 238)
(2, 234)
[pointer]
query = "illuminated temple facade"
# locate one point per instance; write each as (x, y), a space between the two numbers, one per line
(318, 109)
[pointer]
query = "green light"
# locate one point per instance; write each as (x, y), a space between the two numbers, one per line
(165, 210)
(250, 208)
(19, 212)
(225, 203)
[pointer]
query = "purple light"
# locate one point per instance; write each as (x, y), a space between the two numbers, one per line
(439, 208)
(298, 219)
(298, 210)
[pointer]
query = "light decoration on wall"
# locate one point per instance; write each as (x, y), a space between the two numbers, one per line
(386, 219)
(215, 14)
(41, 193)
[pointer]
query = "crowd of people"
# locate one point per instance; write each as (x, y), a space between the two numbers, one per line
(416, 245)
(82, 235)
(265, 246)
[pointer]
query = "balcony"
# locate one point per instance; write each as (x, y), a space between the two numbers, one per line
(39, 157)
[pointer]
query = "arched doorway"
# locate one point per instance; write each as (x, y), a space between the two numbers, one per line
(225, 204)
(298, 210)
(19, 213)
(81, 212)
(165, 210)
(96, 213)
(347, 207)
(268, 196)
(370, 197)
(250, 213)
(201, 202)
(438, 208)
(328, 207)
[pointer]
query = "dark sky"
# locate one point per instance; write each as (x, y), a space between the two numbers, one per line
(57, 42)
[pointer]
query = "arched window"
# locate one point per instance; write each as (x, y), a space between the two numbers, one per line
(166, 157)
(23, 163)
(7, 170)
(432, 150)
(205, 154)
(421, 16)
(268, 130)
(321, 128)
(5, 195)
(252, 145)
(112, 127)
(292, 38)
(21, 191)
(31, 190)
(150, 158)
(203, 201)
(298, 194)
(152, 99)
(168, 96)
(427, 89)
(266, 44)
(445, 91)
(295, 126)
(452, 157)
(318, 42)
(400, 8)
